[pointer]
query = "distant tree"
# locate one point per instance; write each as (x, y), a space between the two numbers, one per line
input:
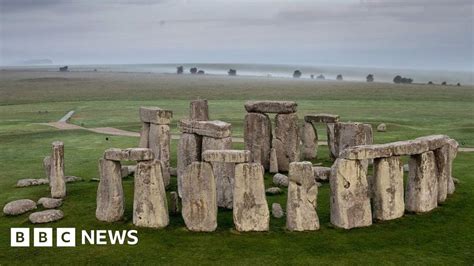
(370, 78)
(312, 76)
(193, 70)
(321, 76)
(444, 83)
(232, 72)
(459, 84)
(64, 69)
(339, 77)
(397, 79)
(201, 72)
(430, 82)
(297, 74)
(179, 70)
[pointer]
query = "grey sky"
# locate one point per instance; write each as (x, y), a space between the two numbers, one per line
(391, 33)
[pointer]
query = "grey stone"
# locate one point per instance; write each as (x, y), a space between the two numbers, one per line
(310, 141)
(453, 150)
(382, 128)
(287, 140)
(321, 173)
(350, 201)
(174, 203)
(18, 207)
(443, 174)
(56, 179)
(223, 172)
(189, 150)
(279, 107)
(46, 216)
(72, 179)
(155, 115)
(387, 189)
(150, 206)
(159, 142)
(277, 210)
(47, 166)
(273, 161)
(302, 198)
(144, 135)
(321, 118)
(124, 171)
(226, 156)
(213, 129)
(27, 182)
(199, 204)
(280, 180)
(351, 134)
(456, 181)
(331, 140)
(250, 210)
(199, 110)
(50, 203)
(258, 138)
(173, 171)
(110, 198)
(422, 189)
(130, 154)
(273, 191)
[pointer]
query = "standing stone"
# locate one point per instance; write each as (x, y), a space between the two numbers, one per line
(278, 107)
(159, 143)
(453, 150)
(47, 166)
(287, 141)
(223, 172)
(110, 199)
(302, 198)
(277, 210)
(258, 138)
(422, 189)
(350, 201)
(331, 140)
(387, 189)
(189, 150)
(199, 110)
(150, 207)
(310, 141)
(174, 202)
(273, 161)
(351, 134)
(199, 205)
(250, 204)
(442, 166)
(144, 135)
(57, 182)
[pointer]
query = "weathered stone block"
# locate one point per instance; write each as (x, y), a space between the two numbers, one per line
(280, 180)
(351, 134)
(302, 198)
(226, 156)
(199, 204)
(110, 199)
(279, 107)
(258, 138)
(199, 110)
(189, 150)
(350, 201)
(442, 167)
(387, 189)
(310, 141)
(321, 118)
(422, 188)
(131, 154)
(277, 210)
(144, 135)
(18, 207)
(453, 150)
(273, 161)
(321, 173)
(155, 115)
(50, 203)
(160, 142)
(287, 140)
(56, 179)
(250, 209)
(331, 140)
(150, 207)
(46, 216)
(174, 203)
(213, 129)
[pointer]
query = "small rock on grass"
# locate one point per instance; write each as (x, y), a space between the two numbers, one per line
(46, 216)
(277, 210)
(273, 191)
(50, 203)
(18, 207)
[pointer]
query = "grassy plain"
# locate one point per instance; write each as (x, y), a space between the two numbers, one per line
(444, 236)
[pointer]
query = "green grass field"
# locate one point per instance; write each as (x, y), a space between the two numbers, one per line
(444, 236)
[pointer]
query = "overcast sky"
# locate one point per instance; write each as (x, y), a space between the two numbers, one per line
(432, 34)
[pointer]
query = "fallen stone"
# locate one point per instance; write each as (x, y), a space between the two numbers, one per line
(277, 210)
(321, 173)
(226, 156)
(350, 201)
(213, 129)
(422, 189)
(287, 140)
(50, 203)
(124, 171)
(387, 189)
(273, 161)
(155, 115)
(72, 179)
(280, 180)
(174, 203)
(199, 110)
(57, 182)
(131, 154)
(144, 135)
(160, 142)
(382, 128)
(273, 191)
(110, 198)
(189, 150)
(250, 210)
(27, 182)
(47, 166)
(46, 216)
(199, 204)
(309, 140)
(279, 107)
(321, 118)
(18, 207)
(302, 198)
(456, 181)
(150, 207)
(173, 171)
(258, 138)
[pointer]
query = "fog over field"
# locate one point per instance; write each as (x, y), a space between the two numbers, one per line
(415, 34)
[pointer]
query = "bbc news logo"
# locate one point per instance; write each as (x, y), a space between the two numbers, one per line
(66, 237)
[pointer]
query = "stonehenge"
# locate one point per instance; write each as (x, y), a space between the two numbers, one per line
(309, 135)
(155, 135)
(57, 182)
(275, 150)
